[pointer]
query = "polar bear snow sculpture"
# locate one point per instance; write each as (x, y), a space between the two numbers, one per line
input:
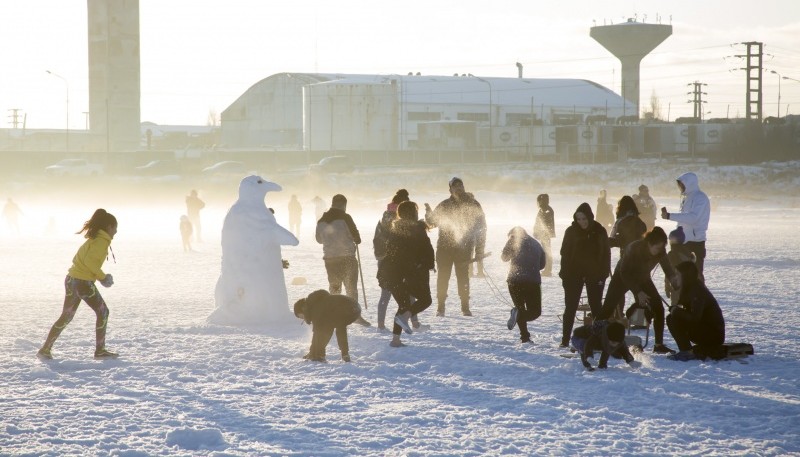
(251, 288)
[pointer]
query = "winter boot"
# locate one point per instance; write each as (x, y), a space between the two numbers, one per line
(103, 353)
(662, 349)
(682, 356)
(402, 321)
(512, 321)
(345, 357)
(44, 353)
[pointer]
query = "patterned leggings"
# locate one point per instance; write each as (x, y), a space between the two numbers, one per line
(75, 291)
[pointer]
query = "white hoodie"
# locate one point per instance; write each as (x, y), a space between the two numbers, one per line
(695, 209)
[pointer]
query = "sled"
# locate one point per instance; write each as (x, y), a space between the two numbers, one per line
(727, 351)
(636, 319)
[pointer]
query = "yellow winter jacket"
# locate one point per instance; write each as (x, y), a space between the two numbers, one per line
(88, 261)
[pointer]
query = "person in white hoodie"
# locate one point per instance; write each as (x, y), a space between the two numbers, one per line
(694, 214)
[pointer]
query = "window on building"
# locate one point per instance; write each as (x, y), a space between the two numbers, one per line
(475, 117)
(518, 119)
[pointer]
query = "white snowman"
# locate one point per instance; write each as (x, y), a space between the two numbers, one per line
(251, 289)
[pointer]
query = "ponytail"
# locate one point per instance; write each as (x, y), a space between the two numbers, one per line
(100, 220)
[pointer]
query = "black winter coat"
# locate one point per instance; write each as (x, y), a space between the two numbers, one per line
(324, 309)
(626, 230)
(636, 264)
(585, 253)
(409, 254)
(701, 310)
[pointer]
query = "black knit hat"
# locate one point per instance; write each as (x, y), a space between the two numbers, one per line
(300, 307)
(615, 332)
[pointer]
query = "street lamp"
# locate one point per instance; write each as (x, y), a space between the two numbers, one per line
(67, 103)
(779, 91)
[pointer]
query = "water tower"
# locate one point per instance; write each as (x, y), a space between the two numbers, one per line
(630, 42)
(114, 82)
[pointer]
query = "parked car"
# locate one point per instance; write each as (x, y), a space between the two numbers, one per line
(226, 167)
(158, 168)
(332, 164)
(74, 167)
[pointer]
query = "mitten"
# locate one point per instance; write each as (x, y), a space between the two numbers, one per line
(108, 281)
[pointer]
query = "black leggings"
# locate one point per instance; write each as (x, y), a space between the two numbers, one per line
(527, 298)
(418, 288)
(75, 291)
(572, 296)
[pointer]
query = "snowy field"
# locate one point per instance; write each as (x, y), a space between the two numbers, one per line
(465, 387)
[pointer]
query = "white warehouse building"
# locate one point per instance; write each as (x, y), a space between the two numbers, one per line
(349, 112)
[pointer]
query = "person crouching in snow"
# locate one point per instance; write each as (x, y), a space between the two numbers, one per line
(406, 268)
(698, 318)
(678, 253)
(632, 273)
(527, 259)
(602, 335)
(327, 313)
(79, 283)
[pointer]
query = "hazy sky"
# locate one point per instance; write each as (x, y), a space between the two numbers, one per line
(198, 56)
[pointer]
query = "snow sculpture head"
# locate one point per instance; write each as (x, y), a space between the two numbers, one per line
(251, 289)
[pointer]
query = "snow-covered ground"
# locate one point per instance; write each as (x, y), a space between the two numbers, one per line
(466, 387)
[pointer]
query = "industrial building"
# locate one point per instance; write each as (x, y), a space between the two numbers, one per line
(351, 112)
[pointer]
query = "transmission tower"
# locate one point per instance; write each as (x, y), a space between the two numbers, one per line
(14, 116)
(754, 69)
(697, 99)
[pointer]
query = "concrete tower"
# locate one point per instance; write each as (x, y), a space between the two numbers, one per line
(630, 42)
(114, 84)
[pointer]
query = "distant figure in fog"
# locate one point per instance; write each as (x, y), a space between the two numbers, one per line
(604, 212)
(186, 233)
(647, 207)
(295, 215)
(193, 207)
(319, 207)
(11, 214)
(544, 229)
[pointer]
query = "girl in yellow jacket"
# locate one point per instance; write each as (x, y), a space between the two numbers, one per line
(79, 283)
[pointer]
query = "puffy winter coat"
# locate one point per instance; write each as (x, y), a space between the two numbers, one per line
(409, 254)
(324, 309)
(382, 231)
(626, 230)
(88, 261)
(700, 309)
(338, 234)
(695, 211)
(585, 253)
(526, 257)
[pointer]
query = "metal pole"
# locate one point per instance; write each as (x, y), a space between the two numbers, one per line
(779, 90)
(361, 274)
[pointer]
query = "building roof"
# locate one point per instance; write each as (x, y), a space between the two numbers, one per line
(421, 89)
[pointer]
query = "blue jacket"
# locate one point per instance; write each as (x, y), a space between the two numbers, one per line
(525, 255)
